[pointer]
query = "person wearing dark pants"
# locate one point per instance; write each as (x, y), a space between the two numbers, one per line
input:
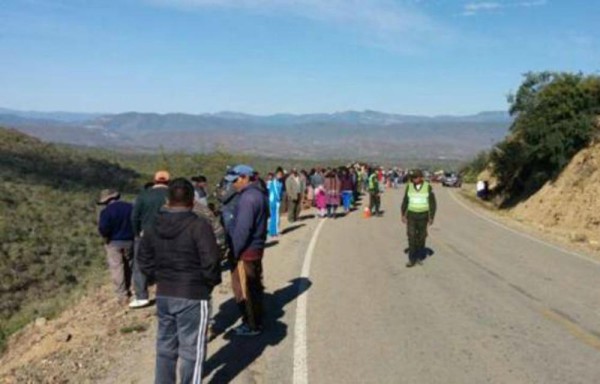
(418, 212)
(374, 193)
(249, 294)
(375, 202)
(293, 190)
(181, 254)
(248, 236)
(417, 235)
(145, 211)
(140, 281)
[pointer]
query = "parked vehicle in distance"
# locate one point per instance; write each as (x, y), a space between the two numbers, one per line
(452, 180)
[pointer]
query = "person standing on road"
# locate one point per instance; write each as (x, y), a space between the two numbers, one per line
(248, 235)
(317, 179)
(321, 201)
(145, 211)
(115, 227)
(381, 179)
(275, 187)
(418, 212)
(303, 192)
(180, 253)
(347, 188)
(294, 191)
(200, 194)
(364, 178)
(208, 212)
(332, 190)
(374, 193)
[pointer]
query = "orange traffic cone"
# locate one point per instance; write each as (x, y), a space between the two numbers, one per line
(367, 213)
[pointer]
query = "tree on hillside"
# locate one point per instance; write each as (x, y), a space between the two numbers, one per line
(554, 119)
(478, 164)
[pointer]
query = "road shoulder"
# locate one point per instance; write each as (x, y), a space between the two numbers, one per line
(534, 231)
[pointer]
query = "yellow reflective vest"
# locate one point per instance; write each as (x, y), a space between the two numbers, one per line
(418, 200)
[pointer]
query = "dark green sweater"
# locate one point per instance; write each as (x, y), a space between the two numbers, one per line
(146, 208)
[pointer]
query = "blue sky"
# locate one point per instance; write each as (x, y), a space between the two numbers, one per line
(300, 56)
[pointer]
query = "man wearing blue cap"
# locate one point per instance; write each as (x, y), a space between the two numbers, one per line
(248, 234)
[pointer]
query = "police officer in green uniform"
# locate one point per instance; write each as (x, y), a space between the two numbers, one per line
(374, 193)
(418, 211)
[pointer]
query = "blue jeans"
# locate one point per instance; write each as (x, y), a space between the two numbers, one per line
(347, 200)
(331, 210)
(274, 220)
(182, 327)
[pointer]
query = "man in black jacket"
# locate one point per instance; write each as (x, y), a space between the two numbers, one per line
(181, 254)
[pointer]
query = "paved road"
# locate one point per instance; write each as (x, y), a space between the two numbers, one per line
(489, 306)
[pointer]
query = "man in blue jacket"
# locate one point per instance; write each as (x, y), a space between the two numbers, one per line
(248, 234)
(115, 227)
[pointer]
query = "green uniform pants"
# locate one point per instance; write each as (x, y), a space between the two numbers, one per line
(374, 202)
(417, 234)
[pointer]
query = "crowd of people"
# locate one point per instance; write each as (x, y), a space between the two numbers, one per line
(174, 236)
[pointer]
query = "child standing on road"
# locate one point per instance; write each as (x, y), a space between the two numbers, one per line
(321, 200)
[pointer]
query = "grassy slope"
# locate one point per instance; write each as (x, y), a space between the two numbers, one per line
(48, 242)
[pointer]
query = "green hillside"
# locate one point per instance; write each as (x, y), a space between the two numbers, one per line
(48, 241)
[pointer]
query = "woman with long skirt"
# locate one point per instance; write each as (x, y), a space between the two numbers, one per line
(332, 190)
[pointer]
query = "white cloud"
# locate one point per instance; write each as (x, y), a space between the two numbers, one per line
(474, 8)
(482, 6)
(532, 3)
(390, 23)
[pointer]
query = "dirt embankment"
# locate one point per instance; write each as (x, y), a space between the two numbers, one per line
(81, 345)
(569, 206)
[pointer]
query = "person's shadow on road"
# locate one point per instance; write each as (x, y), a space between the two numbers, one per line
(425, 253)
(292, 228)
(233, 358)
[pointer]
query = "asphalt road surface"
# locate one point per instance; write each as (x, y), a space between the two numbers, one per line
(490, 305)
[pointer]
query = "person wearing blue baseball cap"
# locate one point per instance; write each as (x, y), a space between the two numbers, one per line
(248, 235)
(239, 171)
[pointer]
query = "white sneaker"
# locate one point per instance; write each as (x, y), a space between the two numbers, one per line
(136, 303)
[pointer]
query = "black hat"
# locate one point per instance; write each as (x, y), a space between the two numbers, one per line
(415, 173)
(199, 179)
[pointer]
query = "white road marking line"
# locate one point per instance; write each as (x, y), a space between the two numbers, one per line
(539, 241)
(300, 347)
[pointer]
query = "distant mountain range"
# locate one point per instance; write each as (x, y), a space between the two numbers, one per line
(69, 117)
(352, 134)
